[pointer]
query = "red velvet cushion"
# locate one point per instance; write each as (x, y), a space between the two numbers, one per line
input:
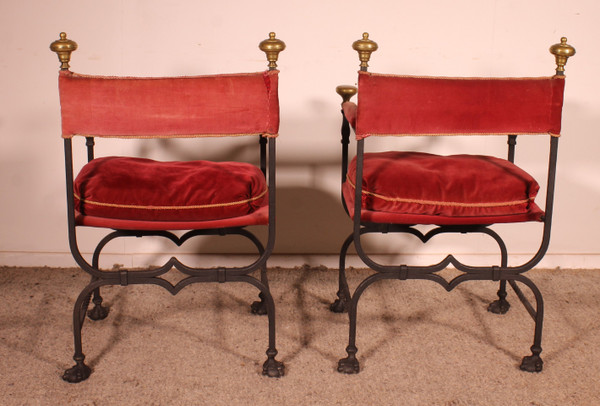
(417, 183)
(142, 189)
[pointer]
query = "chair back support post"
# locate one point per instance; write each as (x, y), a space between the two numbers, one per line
(364, 47)
(68, 146)
(358, 226)
(271, 47)
(262, 141)
(551, 182)
(63, 48)
(89, 142)
(360, 150)
(271, 181)
(345, 131)
(72, 230)
(562, 52)
(512, 143)
(549, 206)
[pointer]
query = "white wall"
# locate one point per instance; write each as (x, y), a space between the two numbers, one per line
(177, 37)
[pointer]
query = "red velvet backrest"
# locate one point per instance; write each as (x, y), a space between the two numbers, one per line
(199, 106)
(405, 105)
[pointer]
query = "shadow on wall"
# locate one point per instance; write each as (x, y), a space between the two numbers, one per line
(308, 220)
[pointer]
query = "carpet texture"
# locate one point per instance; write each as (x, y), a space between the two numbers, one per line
(417, 344)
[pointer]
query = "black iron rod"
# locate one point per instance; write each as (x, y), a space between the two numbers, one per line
(523, 299)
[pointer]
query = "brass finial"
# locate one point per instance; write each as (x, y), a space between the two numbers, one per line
(364, 47)
(63, 48)
(272, 47)
(346, 91)
(562, 52)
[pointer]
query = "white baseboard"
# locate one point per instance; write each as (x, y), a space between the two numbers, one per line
(51, 259)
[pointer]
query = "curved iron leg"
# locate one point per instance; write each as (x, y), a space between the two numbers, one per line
(350, 364)
(340, 305)
(272, 368)
(258, 307)
(534, 363)
(80, 371)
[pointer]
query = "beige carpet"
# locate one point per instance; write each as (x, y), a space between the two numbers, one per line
(418, 345)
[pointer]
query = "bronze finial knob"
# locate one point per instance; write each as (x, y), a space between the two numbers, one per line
(63, 48)
(364, 47)
(272, 47)
(346, 91)
(562, 52)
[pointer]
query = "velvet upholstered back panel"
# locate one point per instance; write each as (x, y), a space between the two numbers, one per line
(404, 105)
(199, 106)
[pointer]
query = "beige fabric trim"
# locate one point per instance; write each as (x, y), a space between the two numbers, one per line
(440, 203)
(199, 206)
(462, 77)
(207, 76)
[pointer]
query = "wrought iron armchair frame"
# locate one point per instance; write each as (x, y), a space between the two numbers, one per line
(502, 273)
(267, 147)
